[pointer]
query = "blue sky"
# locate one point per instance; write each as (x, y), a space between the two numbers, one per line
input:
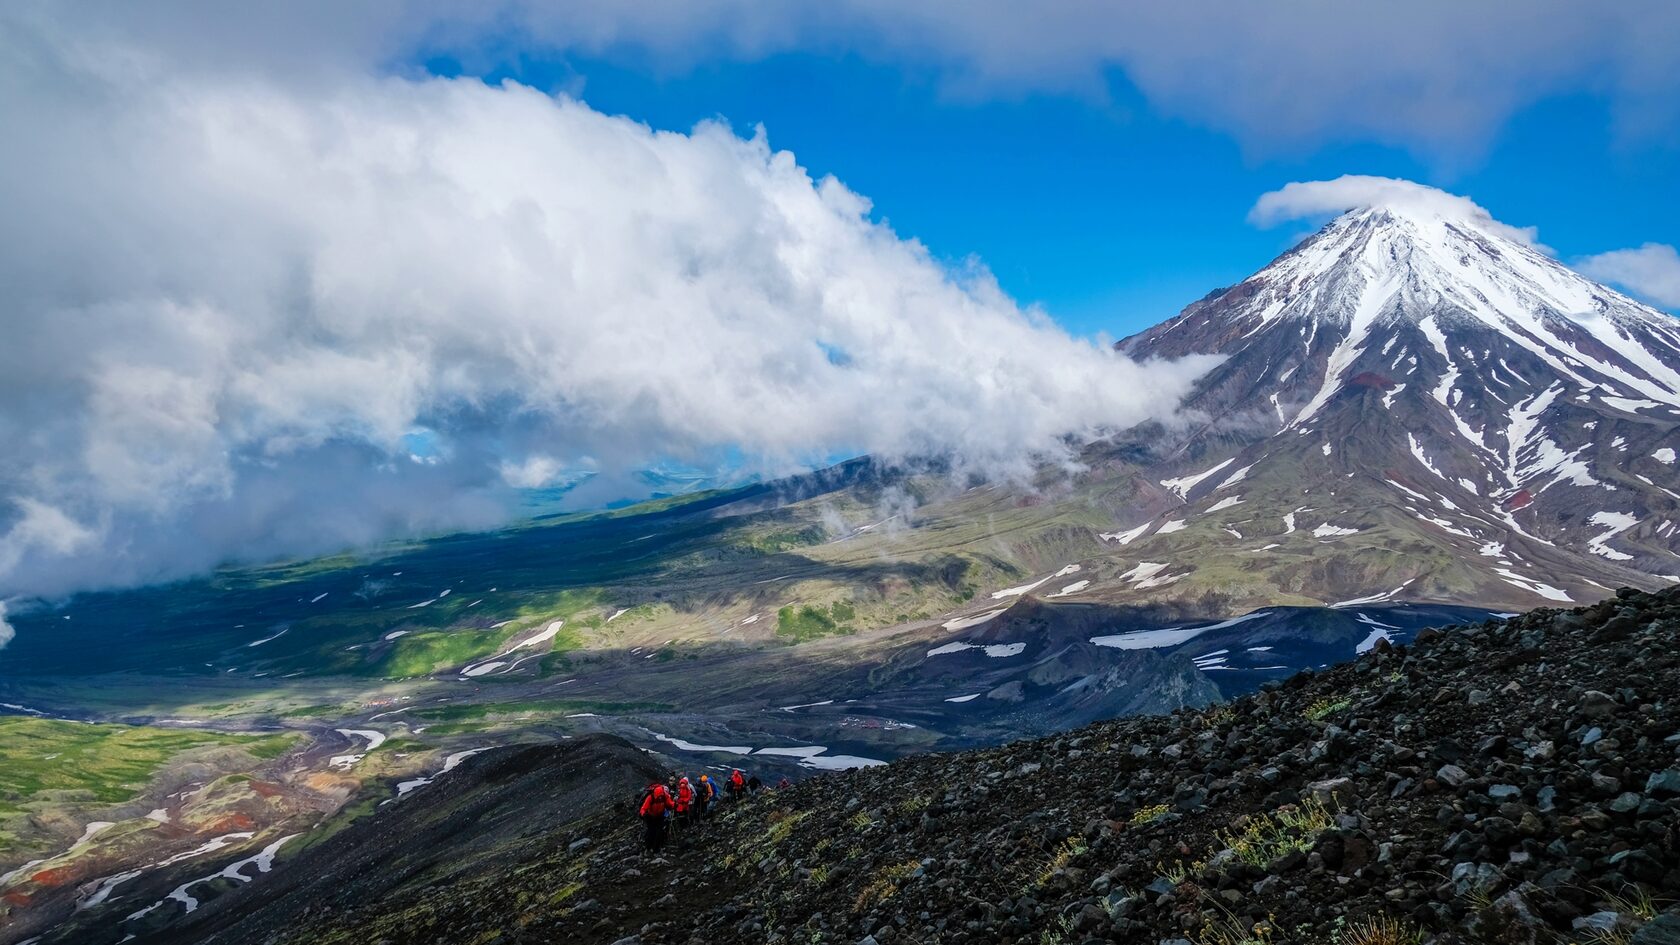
(1097, 207)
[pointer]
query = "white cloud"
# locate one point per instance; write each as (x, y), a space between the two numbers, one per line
(231, 298)
(1320, 198)
(6, 631)
(1438, 76)
(1652, 271)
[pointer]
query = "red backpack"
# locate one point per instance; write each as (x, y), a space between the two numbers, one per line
(656, 802)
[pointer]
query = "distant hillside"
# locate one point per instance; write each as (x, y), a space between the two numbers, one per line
(1506, 781)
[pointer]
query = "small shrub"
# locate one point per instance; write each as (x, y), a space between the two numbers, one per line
(1227, 929)
(1635, 902)
(1065, 853)
(1058, 933)
(1215, 716)
(1148, 815)
(1288, 830)
(884, 885)
(914, 804)
(1379, 930)
(1324, 708)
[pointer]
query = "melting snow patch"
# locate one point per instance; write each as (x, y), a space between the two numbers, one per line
(973, 620)
(1328, 530)
(1237, 476)
(1070, 569)
(691, 746)
(406, 787)
(482, 668)
(374, 740)
(1017, 591)
(1616, 522)
(1182, 485)
(1126, 537)
(93, 829)
(1534, 587)
(969, 698)
(1073, 588)
(1225, 503)
(1176, 525)
(1374, 598)
(1629, 405)
(320, 597)
(267, 639)
(1171, 636)
(995, 650)
(263, 861)
(1664, 456)
(806, 705)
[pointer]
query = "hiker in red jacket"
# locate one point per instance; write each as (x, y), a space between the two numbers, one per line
(656, 806)
(685, 804)
(737, 785)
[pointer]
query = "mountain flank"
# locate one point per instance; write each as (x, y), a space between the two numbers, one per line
(1508, 781)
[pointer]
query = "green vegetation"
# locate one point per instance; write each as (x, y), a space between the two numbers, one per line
(800, 624)
(884, 885)
(1324, 708)
(776, 542)
(1379, 930)
(1291, 829)
(421, 654)
(47, 759)
(1144, 816)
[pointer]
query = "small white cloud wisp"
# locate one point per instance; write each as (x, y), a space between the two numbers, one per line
(1320, 198)
(249, 318)
(1651, 271)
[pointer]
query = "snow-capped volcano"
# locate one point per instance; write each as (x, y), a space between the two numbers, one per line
(1518, 411)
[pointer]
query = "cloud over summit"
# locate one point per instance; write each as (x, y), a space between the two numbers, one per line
(249, 317)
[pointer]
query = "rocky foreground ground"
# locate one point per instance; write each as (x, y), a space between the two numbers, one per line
(1510, 781)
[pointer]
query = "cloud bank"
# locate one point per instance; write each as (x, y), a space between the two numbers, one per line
(1651, 271)
(253, 317)
(1440, 77)
(1320, 198)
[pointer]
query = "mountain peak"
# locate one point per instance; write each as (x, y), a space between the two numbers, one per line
(1502, 404)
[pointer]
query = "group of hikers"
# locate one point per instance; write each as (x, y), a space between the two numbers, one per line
(682, 803)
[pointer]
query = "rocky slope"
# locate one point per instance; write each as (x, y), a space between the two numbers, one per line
(1440, 382)
(1510, 781)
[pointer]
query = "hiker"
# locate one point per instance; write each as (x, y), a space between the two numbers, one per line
(754, 785)
(656, 806)
(705, 796)
(737, 785)
(685, 803)
(784, 783)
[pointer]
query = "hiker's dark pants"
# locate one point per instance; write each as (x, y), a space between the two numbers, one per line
(655, 832)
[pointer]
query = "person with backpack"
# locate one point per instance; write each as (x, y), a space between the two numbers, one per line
(656, 806)
(685, 803)
(705, 796)
(737, 785)
(754, 785)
